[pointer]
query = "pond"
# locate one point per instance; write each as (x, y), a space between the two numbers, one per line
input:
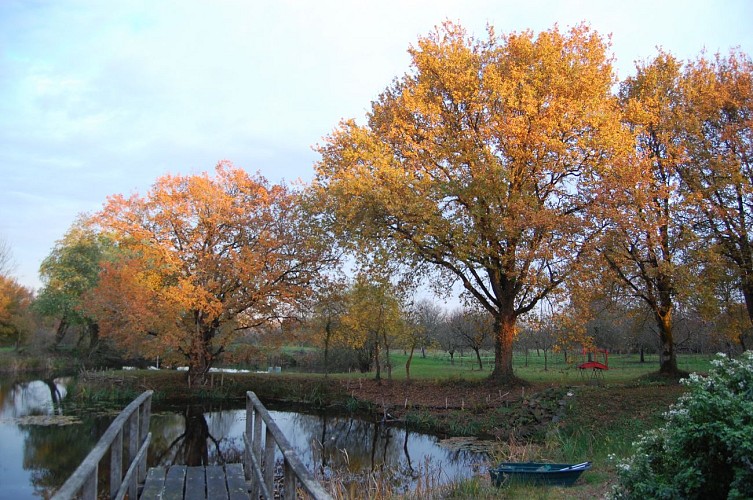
(44, 438)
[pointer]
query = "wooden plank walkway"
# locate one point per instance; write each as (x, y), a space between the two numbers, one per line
(196, 483)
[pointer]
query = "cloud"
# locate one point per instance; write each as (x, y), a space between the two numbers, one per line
(98, 98)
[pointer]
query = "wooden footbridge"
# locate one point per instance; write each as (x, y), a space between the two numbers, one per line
(127, 440)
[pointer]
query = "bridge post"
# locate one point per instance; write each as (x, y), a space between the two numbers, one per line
(288, 476)
(83, 481)
(269, 460)
(116, 463)
(133, 447)
(249, 433)
(262, 472)
(145, 415)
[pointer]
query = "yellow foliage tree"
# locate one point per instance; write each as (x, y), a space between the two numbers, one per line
(373, 320)
(718, 173)
(480, 163)
(647, 241)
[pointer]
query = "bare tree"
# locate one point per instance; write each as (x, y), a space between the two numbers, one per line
(6, 258)
(474, 329)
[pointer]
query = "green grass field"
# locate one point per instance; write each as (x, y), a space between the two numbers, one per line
(623, 368)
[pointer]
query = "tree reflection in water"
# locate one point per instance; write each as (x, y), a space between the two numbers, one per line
(348, 448)
(198, 435)
(48, 448)
(356, 453)
(37, 458)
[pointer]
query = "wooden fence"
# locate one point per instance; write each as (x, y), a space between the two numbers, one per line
(260, 469)
(83, 483)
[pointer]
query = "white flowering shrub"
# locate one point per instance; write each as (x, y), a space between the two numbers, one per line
(704, 449)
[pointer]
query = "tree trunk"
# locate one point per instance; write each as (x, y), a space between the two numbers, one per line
(747, 289)
(60, 331)
(452, 357)
(478, 357)
(667, 355)
(200, 360)
(93, 330)
(388, 362)
(407, 364)
(377, 363)
(327, 334)
(504, 327)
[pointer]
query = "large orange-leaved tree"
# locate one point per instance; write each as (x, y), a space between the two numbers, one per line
(480, 162)
(201, 259)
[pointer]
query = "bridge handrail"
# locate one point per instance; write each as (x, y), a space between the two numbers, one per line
(293, 469)
(84, 480)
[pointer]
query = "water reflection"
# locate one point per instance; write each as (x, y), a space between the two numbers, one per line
(44, 440)
(348, 447)
(32, 397)
(328, 444)
(40, 443)
(195, 435)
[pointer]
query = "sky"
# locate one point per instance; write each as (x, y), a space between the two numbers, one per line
(102, 97)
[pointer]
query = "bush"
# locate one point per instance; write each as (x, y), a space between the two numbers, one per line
(705, 447)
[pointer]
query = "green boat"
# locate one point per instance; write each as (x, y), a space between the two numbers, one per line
(537, 473)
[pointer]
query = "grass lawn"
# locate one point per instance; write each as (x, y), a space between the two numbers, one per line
(623, 368)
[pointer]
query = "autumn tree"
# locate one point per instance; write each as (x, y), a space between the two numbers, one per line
(201, 260)
(446, 339)
(478, 163)
(68, 274)
(16, 321)
(718, 172)
(325, 319)
(374, 319)
(649, 237)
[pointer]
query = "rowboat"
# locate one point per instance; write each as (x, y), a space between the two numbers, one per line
(537, 473)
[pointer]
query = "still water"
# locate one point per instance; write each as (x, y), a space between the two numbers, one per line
(43, 439)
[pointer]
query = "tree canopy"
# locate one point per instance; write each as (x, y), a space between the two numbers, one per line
(481, 162)
(68, 274)
(718, 171)
(648, 238)
(202, 259)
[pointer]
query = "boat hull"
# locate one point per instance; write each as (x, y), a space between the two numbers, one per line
(537, 473)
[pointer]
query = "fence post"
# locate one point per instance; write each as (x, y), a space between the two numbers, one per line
(249, 437)
(269, 460)
(133, 447)
(144, 419)
(116, 463)
(288, 478)
(89, 490)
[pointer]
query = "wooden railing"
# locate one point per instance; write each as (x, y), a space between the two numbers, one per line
(83, 483)
(261, 469)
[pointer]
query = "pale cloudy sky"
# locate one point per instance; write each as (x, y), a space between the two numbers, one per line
(99, 97)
